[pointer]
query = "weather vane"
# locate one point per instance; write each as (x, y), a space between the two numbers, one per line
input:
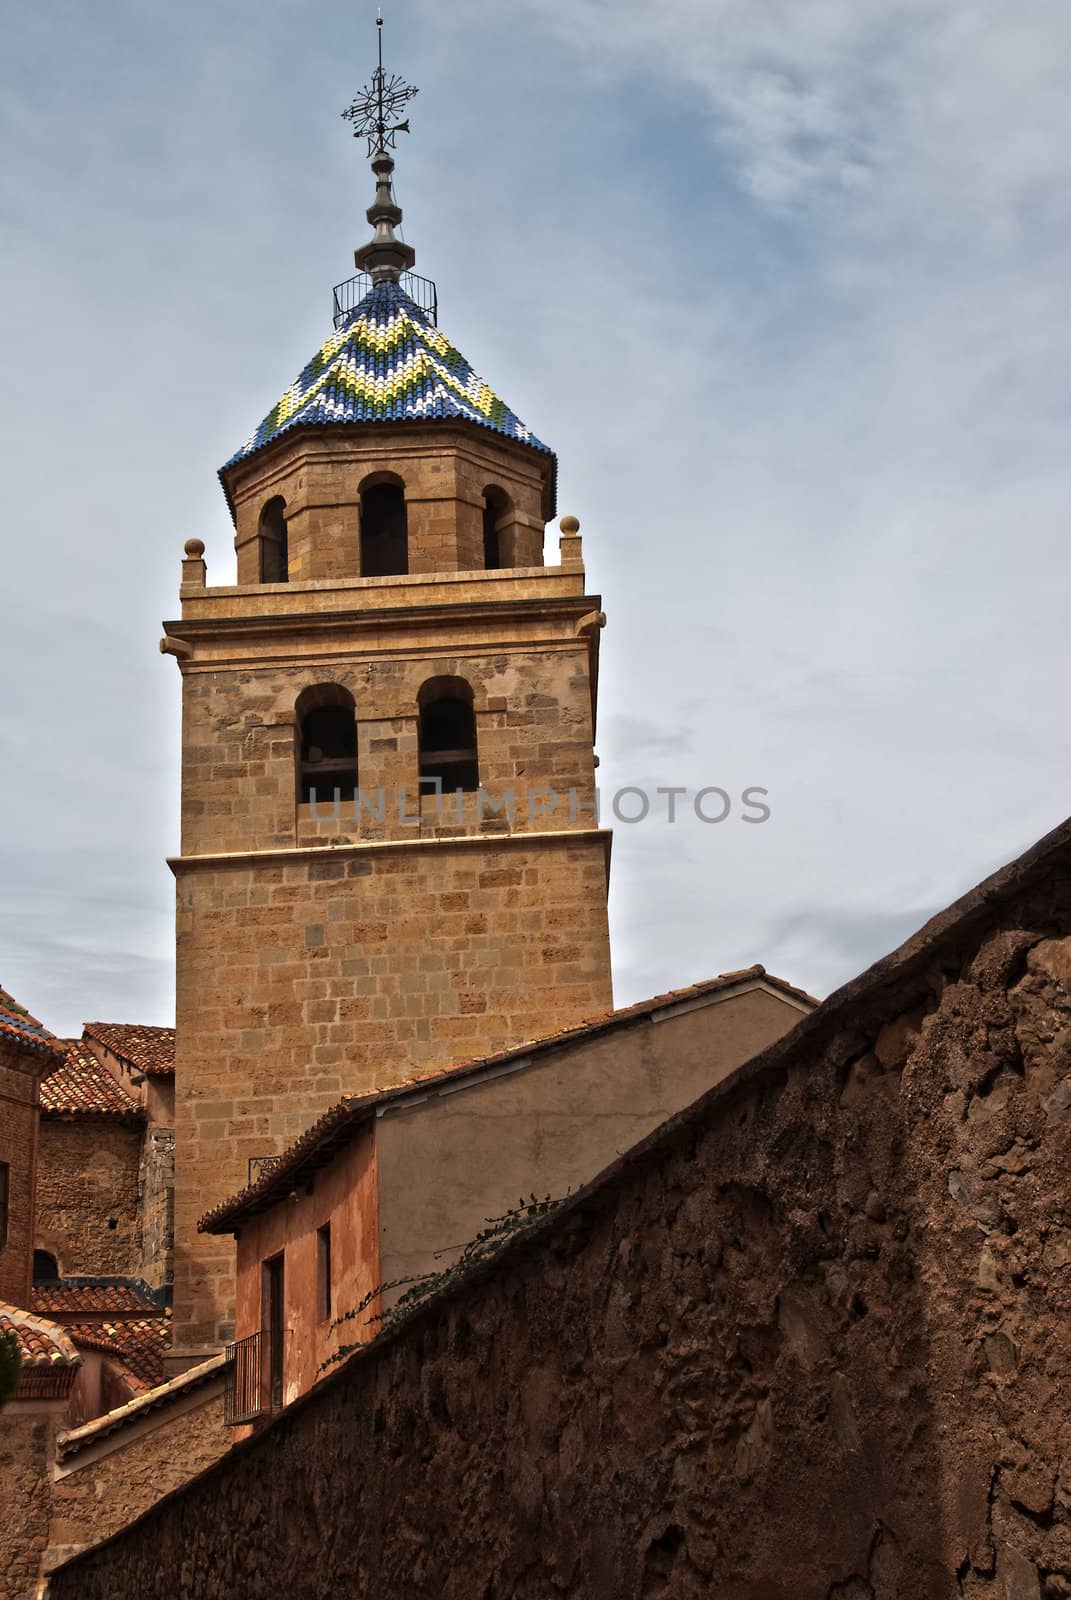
(375, 109)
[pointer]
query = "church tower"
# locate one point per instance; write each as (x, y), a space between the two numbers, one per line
(390, 856)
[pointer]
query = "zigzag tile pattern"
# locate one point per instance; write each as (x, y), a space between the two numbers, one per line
(388, 362)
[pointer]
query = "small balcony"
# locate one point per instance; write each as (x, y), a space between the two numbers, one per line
(247, 1396)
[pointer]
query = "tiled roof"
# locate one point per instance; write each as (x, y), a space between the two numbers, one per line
(17, 1023)
(319, 1142)
(140, 1343)
(388, 362)
(75, 1439)
(146, 1049)
(68, 1297)
(43, 1344)
(80, 1085)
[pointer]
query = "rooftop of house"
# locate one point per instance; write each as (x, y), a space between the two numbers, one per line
(81, 1086)
(388, 362)
(73, 1440)
(82, 1296)
(146, 1049)
(139, 1344)
(318, 1144)
(16, 1023)
(42, 1343)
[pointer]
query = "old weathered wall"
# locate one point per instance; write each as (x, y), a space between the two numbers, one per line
(87, 1194)
(811, 1342)
(19, 1069)
(98, 1491)
(451, 1160)
(27, 1429)
(156, 1187)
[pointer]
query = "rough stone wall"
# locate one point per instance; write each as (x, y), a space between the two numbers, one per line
(92, 1501)
(27, 1430)
(156, 1189)
(87, 1194)
(811, 1341)
(298, 983)
(18, 1150)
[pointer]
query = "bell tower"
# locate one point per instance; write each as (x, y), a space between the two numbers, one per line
(390, 860)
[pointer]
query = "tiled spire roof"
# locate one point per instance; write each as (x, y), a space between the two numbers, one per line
(388, 362)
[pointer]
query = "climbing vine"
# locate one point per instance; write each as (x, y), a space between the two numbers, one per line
(418, 1289)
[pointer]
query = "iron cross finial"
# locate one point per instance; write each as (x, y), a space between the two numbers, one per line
(375, 109)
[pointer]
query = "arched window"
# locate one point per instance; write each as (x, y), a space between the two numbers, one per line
(326, 744)
(495, 504)
(448, 734)
(45, 1267)
(384, 530)
(274, 552)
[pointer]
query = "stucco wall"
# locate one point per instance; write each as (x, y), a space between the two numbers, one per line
(811, 1342)
(344, 1195)
(87, 1194)
(448, 1163)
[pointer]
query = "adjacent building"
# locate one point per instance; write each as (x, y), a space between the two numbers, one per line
(390, 1187)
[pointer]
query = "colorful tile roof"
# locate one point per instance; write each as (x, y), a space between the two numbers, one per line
(146, 1049)
(319, 1142)
(17, 1023)
(80, 1086)
(43, 1343)
(67, 1297)
(388, 362)
(139, 1343)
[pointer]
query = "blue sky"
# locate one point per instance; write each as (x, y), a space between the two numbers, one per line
(785, 287)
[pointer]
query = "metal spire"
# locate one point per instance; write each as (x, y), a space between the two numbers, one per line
(373, 114)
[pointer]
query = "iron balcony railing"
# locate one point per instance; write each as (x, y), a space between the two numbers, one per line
(246, 1396)
(349, 294)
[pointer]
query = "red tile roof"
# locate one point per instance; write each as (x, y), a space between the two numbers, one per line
(17, 1023)
(74, 1439)
(139, 1343)
(319, 1142)
(43, 1344)
(81, 1086)
(147, 1049)
(71, 1297)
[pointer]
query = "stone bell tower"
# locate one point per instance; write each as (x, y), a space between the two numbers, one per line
(390, 860)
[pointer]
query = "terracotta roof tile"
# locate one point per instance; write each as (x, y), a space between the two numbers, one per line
(43, 1343)
(81, 1086)
(139, 1343)
(17, 1023)
(147, 1049)
(316, 1144)
(67, 1297)
(75, 1439)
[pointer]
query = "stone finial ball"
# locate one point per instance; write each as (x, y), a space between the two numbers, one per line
(195, 549)
(569, 525)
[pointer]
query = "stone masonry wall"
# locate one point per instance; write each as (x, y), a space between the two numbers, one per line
(811, 1341)
(94, 1499)
(299, 982)
(27, 1431)
(18, 1151)
(156, 1187)
(87, 1194)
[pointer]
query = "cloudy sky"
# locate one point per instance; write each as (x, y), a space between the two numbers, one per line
(785, 285)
